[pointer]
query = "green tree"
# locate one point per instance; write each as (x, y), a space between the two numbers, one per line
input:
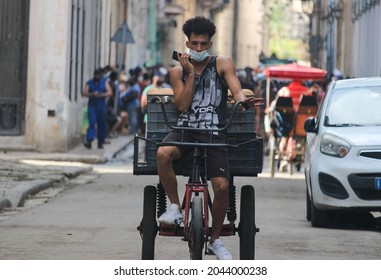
(281, 41)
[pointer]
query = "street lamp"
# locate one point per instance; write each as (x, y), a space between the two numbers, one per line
(334, 11)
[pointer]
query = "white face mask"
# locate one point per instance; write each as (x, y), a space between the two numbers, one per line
(198, 56)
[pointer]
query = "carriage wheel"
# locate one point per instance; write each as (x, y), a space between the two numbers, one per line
(272, 155)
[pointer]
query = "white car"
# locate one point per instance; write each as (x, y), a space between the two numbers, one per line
(343, 151)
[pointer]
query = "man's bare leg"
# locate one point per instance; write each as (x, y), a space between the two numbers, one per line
(165, 157)
(220, 205)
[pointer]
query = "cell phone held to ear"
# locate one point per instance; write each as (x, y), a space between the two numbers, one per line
(175, 55)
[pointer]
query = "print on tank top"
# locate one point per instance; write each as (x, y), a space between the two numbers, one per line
(208, 109)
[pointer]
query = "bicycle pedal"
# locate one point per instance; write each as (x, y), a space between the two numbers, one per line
(209, 253)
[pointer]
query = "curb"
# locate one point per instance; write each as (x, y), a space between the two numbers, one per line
(15, 196)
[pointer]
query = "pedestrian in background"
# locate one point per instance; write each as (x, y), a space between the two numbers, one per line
(130, 104)
(158, 82)
(97, 90)
(143, 83)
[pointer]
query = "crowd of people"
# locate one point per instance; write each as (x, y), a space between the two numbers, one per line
(117, 104)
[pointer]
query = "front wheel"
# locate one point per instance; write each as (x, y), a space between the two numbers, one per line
(148, 225)
(196, 229)
(247, 228)
(319, 218)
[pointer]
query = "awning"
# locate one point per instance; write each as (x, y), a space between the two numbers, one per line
(295, 71)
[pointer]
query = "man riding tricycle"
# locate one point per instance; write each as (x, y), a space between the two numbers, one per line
(197, 146)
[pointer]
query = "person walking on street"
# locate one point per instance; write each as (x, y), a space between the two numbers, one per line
(97, 90)
(200, 89)
(145, 82)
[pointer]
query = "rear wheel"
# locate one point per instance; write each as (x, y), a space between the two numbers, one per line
(298, 166)
(196, 229)
(148, 225)
(247, 228)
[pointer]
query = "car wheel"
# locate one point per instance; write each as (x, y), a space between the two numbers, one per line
(319, 218)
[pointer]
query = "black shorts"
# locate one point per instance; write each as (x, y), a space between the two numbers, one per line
(217, 158)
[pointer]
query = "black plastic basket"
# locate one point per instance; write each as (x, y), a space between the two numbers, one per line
(155, 117)
(247, 160)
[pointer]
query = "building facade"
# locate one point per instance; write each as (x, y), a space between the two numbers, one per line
(346, 36)
(50, 48)
(48, 51)
(242, 30)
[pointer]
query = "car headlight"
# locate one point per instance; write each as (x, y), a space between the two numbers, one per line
(332, 145)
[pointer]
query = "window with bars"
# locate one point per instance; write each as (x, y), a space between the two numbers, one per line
(77, 36)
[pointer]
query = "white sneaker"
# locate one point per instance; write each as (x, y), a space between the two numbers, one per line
(172, 215)
(218, 248)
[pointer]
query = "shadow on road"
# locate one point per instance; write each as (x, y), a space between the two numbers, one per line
(355, 220)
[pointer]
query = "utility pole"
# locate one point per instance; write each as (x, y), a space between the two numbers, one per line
(151, 33)
(235, 31)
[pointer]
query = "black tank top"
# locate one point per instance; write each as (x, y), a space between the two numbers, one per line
(208, 109)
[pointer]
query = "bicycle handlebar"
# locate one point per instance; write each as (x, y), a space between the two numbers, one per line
(166, 100)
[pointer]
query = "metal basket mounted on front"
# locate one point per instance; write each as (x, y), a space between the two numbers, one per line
(247, 160)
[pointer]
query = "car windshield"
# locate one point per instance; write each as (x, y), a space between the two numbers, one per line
(354, 107)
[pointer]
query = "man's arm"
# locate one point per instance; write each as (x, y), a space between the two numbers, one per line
(108, 90)
(85, 91)
(226, 69)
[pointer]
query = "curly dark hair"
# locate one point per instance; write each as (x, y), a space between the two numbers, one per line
(199, 25)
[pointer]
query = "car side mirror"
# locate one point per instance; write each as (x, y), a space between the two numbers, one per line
(310, 125)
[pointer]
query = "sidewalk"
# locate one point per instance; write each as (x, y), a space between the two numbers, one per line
(25, 173)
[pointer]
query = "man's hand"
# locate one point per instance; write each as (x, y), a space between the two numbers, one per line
(184, 60)
(253, 101)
